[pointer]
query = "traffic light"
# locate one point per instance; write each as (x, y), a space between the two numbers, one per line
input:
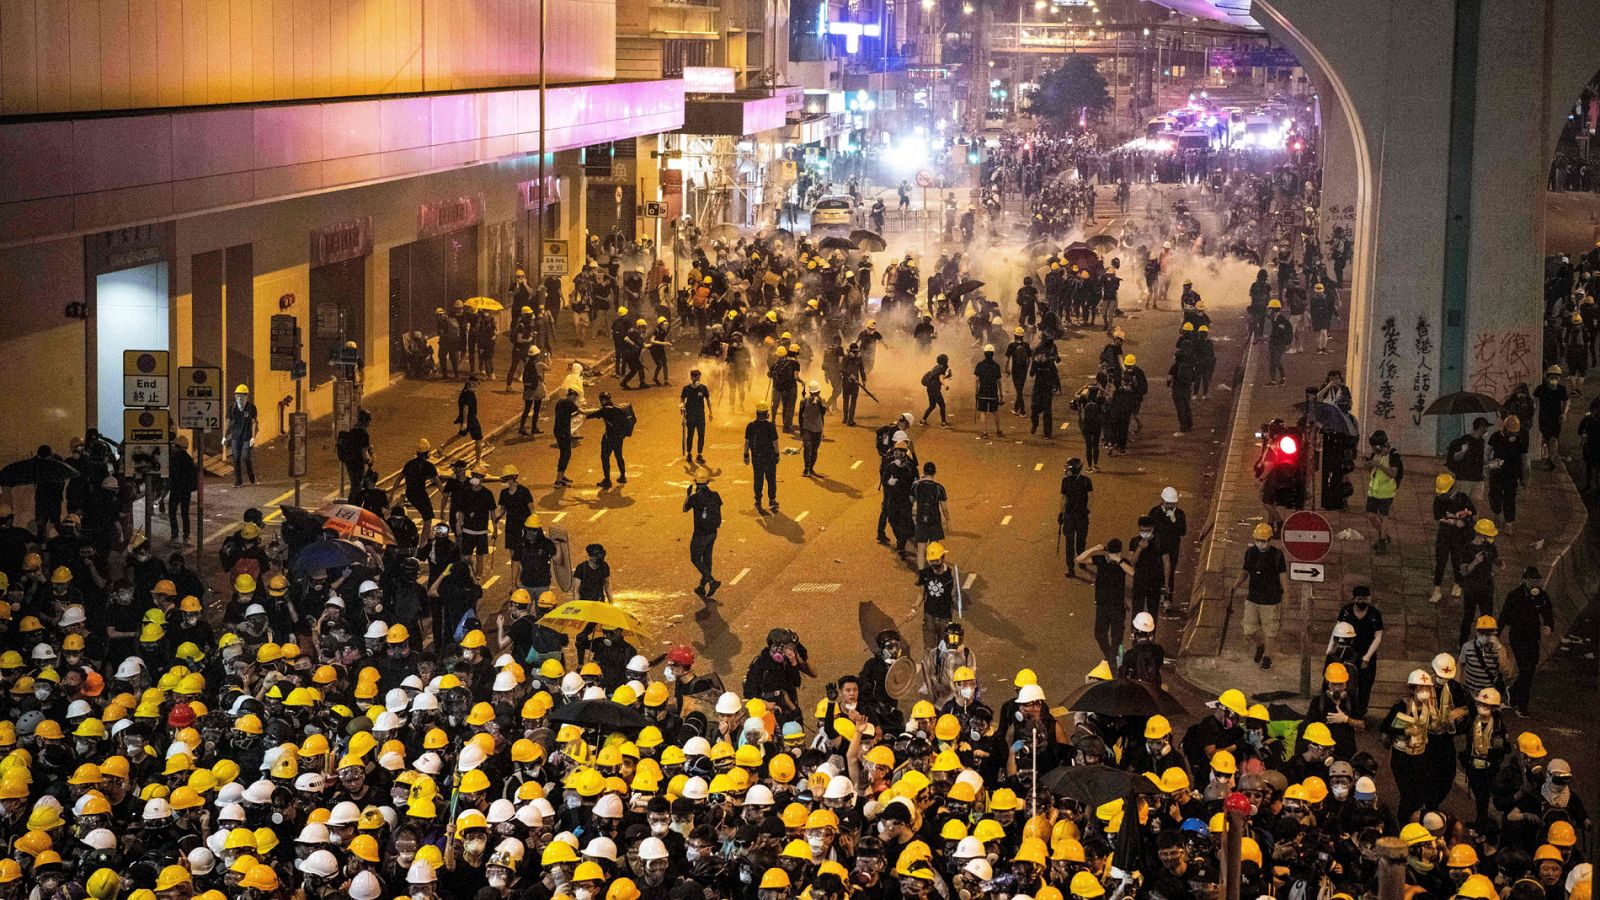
(1286, 459)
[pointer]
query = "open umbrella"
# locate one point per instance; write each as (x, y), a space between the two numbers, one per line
(870, 241)
(1463, 403)
(1329, 417)
(574, 616)
(723, 232)
(479, 304)
(1118, 697)
(328, 553)
(356, 522)
(602, 714)
(835, 242)
(1104, 243)
(37, 470)
(1096, 784)
(965, 286)
(783, 235)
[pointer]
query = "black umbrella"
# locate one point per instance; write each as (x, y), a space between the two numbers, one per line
(1330, 417)
(37, 470)
(724, 232)
(1128, 854)
(835, 242)
(783, 234)
(599, 714)
(1094, 785)
(1461, 403)
(1102, 242)
(328, 554)
(1122, 697)
(870, 241)
(965, 286)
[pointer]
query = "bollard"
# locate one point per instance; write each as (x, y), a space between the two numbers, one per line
(1391, 868)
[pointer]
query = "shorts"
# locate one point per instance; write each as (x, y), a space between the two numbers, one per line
(474, 543)
(986, 404)
(923, 532)
(1265, 619)
(1379, 506)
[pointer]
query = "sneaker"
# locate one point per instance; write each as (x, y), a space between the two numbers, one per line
(760, 510)
(711, 589)
(1455, 592)
(622, 479)
(603, 485)
(700, 459)
(773, 504)
(1436, 596)
(1266, 662)
(700, 591)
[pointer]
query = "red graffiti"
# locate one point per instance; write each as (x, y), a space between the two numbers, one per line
(1500, 361)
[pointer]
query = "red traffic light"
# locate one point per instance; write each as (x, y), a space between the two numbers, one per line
(1288, 446)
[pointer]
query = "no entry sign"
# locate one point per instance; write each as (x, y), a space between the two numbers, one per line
(1307, 537)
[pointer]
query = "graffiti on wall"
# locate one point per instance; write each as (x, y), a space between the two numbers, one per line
(1422, 377)
(1500, 360)
(1388, 371)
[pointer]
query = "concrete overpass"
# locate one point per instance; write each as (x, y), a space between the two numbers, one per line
(1439, 125)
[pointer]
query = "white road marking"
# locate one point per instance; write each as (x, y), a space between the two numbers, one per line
(559, 516)
(490, 583)
(598, 514)
(740, 577)
(965, 585)
(1038, 467)
(855, 465)
(800, 518)
(1006, 521)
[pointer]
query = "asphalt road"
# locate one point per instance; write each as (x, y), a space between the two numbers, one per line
(811, 565)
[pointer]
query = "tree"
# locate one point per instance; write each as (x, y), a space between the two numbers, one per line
(1075, 87)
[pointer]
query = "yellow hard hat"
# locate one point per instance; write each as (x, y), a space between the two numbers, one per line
(1443, 482)
(1261, 532)
(1274, 304)
(1486, 527)
(1415, 833)
(1157, 727)
(1318, 733)
(1233, 701)
(1336, 673)
(1086, 885)
(1477, 887)
(173, 876)
(1223, 763)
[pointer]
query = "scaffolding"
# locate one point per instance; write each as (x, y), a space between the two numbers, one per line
(725, 180)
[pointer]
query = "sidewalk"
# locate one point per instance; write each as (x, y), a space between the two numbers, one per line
(1214, 653)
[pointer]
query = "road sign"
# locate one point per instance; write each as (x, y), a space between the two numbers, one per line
(146, 378)
(1307, 537)
(200, 397)
(554, 258)
(285, 344)
(146, 433)
(924, 178)
(1314, 572)
(655, 209)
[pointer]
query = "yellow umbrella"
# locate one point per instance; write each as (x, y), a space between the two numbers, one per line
(479, 304)
(576, 615)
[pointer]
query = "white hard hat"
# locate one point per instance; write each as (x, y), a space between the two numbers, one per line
(1420, 677)
(310, 783)
(313, 833)
(201, 859)
(254, 609)
(972, 779)
(501, 810)
(529, 815)
(1344, 630)
(396, 701)
(229, 795)
(609, 807)
(979, 868)
(429, 763)
(320, 864)
(43, 652)
(571, 683)
(259, 792)
(72, 615)
(652, 848)
(156, 809)
(839, 787)
(1144, 622)
(365, 886)
(694, 788)
(602, 847)
(758, 795)
(130, 668)
(1169, 494)
(421, 872)
(899, 436)
(345, 813)
(472, 756)
(969, 847)
(728, 704)
(697, 746)
(77, 709)
(504, 681)
(378, 630)
(100, 839)
(814, 387)
(638, 663)
(594, 692)
(368, 585)
(1030, 693)
(424, 702)
(388, 721)
(1444, 665)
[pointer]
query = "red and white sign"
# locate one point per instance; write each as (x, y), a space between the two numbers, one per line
(924, 178)
(1307, 537)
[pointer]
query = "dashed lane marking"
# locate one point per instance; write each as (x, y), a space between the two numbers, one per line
(740, 577)
(598, 514)
(965, 585)
(800, 518)
(1006, 521)
(1038, 467)
(490, 583)
(855, 465)
(559, 516)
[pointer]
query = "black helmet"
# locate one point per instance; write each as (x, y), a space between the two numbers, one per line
(1074, 465)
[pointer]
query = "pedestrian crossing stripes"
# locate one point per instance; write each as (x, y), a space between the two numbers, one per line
(814, 587)
(740, 577)
(597, 515)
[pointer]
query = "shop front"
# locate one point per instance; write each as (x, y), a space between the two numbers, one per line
(433, 272)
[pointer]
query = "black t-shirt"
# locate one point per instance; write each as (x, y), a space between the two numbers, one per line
(1264, 567)
(938, 591)
(1075, 489)
(1470, 466)
(591, 576)
(706, 506)
(761, 437)
(1551, 398)
(1110, 582)
(1367, 626)
(1148, 568)
(987, 373)
(696, 398)
(534, 556)
(928, 494)
(475, 506)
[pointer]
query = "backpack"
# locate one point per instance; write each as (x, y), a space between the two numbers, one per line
(629, 419)
(930, 378)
